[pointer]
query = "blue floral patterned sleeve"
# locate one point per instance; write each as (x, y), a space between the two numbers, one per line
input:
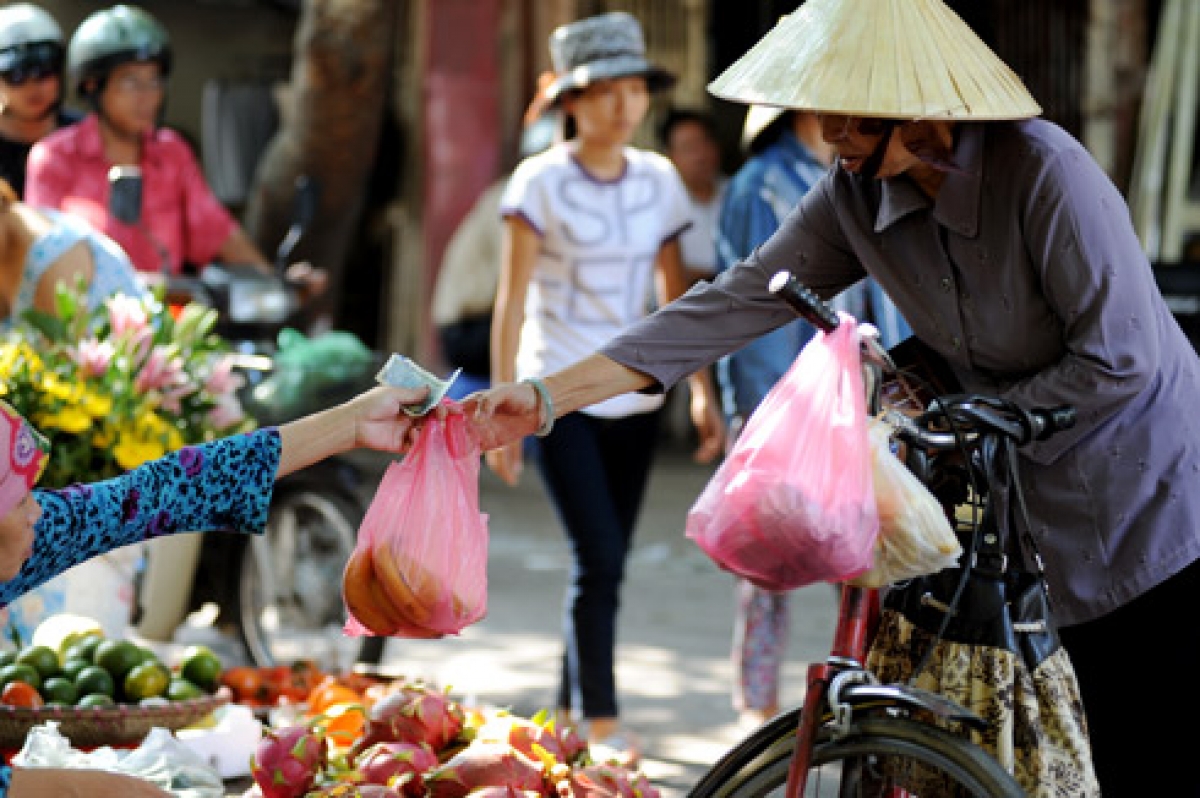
(225, 485)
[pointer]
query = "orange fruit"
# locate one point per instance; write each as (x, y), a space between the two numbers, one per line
(344, 724)
(20, 694)
(329, 692)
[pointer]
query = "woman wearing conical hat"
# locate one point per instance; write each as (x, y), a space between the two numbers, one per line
(1012, 255)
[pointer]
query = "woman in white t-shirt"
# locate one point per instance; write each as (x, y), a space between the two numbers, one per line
(588, 225)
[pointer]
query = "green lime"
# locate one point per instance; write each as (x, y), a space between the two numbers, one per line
(7, 657)
(59, 690)
(43, 658)
(84, 649)
(183, 690)
(96, 700)
(94, 679)
(147, 680)
(20, 672)
(74, 639)
(118, 657)
(201, 667)
(72, 667)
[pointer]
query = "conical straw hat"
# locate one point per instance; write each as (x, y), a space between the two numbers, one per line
(900, 59)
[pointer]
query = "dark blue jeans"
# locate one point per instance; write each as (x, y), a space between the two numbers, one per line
(595, 470)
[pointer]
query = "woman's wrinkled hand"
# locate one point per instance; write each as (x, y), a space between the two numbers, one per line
(499, 418)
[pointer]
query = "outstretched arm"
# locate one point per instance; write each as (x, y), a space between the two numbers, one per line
(373, 420)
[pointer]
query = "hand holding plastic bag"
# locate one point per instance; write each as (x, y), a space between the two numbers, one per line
(915, 537)
(793, 504)
(419, 568)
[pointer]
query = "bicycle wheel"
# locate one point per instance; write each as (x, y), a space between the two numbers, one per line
(288, 598)
(880, 756)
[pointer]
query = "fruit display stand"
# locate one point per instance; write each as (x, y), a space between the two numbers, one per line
(117, 726)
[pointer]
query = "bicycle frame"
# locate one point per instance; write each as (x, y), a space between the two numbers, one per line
(858, 615)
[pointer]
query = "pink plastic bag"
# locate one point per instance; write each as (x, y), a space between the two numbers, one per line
(419, 568)
(793, 503)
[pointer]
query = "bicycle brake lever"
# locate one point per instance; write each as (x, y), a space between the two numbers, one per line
(872, 350)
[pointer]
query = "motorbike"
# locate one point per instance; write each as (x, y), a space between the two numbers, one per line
(276, 592)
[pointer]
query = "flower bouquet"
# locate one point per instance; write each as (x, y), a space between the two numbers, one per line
(111, 388)
(117, 386)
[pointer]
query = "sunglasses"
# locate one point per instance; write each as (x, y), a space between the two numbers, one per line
(836, 127)
(20, 75)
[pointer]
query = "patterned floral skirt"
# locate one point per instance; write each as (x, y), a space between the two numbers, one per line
(1036, 726)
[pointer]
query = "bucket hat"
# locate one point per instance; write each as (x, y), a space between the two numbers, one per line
(598, 48)
(896, 59)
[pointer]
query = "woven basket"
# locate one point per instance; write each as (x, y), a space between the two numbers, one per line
(120, 725)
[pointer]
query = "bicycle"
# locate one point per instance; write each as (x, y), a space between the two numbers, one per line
(876, 738)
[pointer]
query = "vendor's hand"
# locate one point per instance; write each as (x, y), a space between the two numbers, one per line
(59, 782)
(710, 427)
(380, 422)
(507, 462)
(310, 281)
(504, 414)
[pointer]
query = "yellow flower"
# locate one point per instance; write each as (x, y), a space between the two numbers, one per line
(95, 404)
(60, 389)
(133, 450)
(68, 419)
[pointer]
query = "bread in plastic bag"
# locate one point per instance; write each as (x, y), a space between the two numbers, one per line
(419, 567)
(915, 537)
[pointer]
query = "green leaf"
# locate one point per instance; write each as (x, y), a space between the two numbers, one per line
(49, 325)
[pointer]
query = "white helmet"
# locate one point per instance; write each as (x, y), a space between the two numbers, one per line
(29, 37)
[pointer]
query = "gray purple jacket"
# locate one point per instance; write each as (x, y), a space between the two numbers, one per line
(1026, 275)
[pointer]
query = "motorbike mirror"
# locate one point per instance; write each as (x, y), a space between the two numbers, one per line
(304, 209)
(125, 193)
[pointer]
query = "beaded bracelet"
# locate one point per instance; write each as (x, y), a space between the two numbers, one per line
(547, 404)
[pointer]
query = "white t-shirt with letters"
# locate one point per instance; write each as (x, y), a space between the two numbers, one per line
(595, 269)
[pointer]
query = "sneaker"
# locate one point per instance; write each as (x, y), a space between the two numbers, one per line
(622, 748)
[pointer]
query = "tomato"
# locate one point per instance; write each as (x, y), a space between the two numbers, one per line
(20, 694)
(246, 683)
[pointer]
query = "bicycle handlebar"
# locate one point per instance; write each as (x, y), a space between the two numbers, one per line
(808, 305)
(970, 414)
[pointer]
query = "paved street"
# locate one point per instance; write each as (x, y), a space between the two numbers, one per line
(673, 673)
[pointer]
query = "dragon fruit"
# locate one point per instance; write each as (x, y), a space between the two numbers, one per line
(535, 738)
(485, 764)
(412, 713)
(502, 792)
(354, 791)
(399, 765)
(287, 761)
(605, 781)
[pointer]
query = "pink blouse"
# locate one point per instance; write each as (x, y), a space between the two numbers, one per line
(68, 170)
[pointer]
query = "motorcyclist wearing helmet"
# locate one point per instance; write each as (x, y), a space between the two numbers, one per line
(118, 61)
(31, 62)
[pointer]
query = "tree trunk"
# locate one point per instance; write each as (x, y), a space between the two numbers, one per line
(331, 118)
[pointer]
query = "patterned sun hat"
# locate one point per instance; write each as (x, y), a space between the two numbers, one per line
(897, 59)
(601, 47)
(23, 456)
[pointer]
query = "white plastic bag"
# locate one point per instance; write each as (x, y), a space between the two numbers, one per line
(915, 537)
(161, 759)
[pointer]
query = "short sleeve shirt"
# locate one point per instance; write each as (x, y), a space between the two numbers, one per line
(112, 272)
(68, 171)
(595, 269)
